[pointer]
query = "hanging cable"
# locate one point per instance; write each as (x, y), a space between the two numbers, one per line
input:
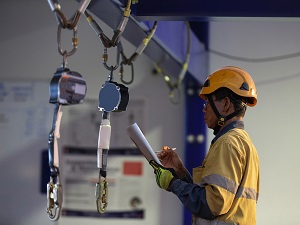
(278, 79)
(117, 33)
(62, 20)
(139, 50)
(187, 57)
(255, 60)
(177, 84)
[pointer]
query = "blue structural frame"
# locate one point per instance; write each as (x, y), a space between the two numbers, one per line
(195, 148)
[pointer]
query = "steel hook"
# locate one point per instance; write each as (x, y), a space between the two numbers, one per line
(54, 199)
(101, 196)
(54, 216)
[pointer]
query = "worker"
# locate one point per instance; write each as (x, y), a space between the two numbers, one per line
(224, 189)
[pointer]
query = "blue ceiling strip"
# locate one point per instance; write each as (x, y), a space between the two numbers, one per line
(201, 9)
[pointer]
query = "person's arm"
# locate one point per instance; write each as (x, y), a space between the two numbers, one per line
(193, 197)
(170, 159)
(187, 178)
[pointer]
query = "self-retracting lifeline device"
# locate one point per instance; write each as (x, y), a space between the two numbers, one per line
(66, 88)
(113, 97)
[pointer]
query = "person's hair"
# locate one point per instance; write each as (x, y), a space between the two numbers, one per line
(238, 101)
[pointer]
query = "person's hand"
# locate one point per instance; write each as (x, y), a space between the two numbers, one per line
(163, 175)
(170, 159)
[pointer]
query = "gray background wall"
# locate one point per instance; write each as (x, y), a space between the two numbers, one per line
(29, 52)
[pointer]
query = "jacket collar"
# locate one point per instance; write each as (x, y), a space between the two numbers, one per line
(235, 124)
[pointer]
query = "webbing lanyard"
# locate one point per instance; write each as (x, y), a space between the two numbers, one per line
(101, 192)
(54, 187)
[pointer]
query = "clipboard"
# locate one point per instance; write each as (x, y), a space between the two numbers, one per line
(141, 143)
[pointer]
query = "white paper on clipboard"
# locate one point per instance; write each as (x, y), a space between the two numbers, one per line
(141, 142)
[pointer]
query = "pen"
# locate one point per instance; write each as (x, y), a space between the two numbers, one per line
(162, 150)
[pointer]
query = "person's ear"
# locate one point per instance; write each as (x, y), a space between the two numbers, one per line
(226, 104)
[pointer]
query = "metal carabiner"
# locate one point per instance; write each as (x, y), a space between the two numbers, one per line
(105, 58)
(65, 53)
(101, 195)
(122, 74)
(54, 199)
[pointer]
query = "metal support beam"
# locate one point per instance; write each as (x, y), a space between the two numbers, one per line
(168, 45)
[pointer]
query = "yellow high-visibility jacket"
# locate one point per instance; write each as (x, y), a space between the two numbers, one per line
(230, 175)
(225, 187)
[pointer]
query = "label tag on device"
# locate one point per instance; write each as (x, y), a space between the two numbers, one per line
(67, 87)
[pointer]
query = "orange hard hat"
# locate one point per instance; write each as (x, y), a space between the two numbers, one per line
(233, 78)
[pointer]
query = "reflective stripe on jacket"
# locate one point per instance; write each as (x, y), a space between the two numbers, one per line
(200, 221)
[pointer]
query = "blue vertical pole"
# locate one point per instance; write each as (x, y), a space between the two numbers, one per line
(195, 131)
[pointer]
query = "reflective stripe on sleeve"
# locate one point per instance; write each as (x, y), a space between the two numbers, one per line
(229, 185)
(248, 193)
